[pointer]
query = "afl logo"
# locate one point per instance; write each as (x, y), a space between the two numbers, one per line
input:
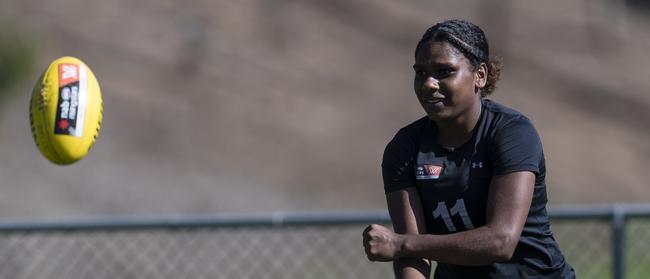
(427, 172)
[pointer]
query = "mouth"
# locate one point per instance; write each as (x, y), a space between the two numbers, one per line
(434, 103)
(434, 100)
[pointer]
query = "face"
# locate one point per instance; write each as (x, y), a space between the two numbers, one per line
(446, 83)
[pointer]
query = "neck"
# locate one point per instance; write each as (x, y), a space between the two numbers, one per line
(457, 131)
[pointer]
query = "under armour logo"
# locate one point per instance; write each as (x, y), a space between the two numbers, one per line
(477, 165)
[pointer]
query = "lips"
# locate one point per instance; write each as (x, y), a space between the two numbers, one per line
(436, 98)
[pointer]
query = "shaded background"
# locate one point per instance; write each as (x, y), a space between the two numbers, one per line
(252, 106)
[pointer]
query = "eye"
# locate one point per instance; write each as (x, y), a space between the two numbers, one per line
(444, 72)
(419, 71)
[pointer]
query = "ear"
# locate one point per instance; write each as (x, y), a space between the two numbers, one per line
(480, 76)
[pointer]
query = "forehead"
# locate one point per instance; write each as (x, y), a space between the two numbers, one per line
(438, 53)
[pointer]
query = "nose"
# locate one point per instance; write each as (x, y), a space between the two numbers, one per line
(431, 84)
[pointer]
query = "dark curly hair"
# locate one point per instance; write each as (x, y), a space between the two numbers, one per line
(470, 40)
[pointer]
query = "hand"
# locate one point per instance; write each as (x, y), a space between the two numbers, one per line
(381, 244)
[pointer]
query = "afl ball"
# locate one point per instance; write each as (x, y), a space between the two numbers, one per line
(66, 111)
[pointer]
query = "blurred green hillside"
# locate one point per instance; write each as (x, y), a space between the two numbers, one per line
(16, 60)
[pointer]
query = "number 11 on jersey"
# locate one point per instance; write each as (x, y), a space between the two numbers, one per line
(458, 209)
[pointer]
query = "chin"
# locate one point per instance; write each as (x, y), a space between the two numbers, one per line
(440, 115)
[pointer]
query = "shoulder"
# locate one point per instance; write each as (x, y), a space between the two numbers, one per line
(514, 143)
(411, 132)
(406, 142)
(400, 154)
(503, 117)
(503, 112)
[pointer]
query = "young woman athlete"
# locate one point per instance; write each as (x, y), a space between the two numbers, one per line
(465, 185)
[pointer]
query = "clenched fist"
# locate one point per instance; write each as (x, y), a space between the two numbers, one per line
(382, 244)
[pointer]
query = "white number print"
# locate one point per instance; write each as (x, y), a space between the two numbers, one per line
(458, 209)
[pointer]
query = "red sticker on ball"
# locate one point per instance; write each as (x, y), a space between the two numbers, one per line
(68, 73)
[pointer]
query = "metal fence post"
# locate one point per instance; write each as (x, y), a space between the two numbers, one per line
(618, 245)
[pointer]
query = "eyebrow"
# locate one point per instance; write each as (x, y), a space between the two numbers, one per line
(434, 64)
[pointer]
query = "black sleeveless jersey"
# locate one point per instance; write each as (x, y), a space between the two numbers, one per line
(453, 187)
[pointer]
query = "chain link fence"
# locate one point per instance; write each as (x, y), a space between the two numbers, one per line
(306, 245)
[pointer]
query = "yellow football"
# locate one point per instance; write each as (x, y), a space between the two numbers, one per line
(66, 111)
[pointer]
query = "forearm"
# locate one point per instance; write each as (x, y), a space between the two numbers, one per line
(480, 246)
(409, 268)
(405, 208)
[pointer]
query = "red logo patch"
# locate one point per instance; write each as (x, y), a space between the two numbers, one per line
(428, 172)
(68, 73)
(433, 170)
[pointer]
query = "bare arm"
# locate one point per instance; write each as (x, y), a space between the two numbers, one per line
(405, 208)
(508, 204)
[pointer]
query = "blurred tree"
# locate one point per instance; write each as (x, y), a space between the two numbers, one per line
(16, 60)
(643, 5)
